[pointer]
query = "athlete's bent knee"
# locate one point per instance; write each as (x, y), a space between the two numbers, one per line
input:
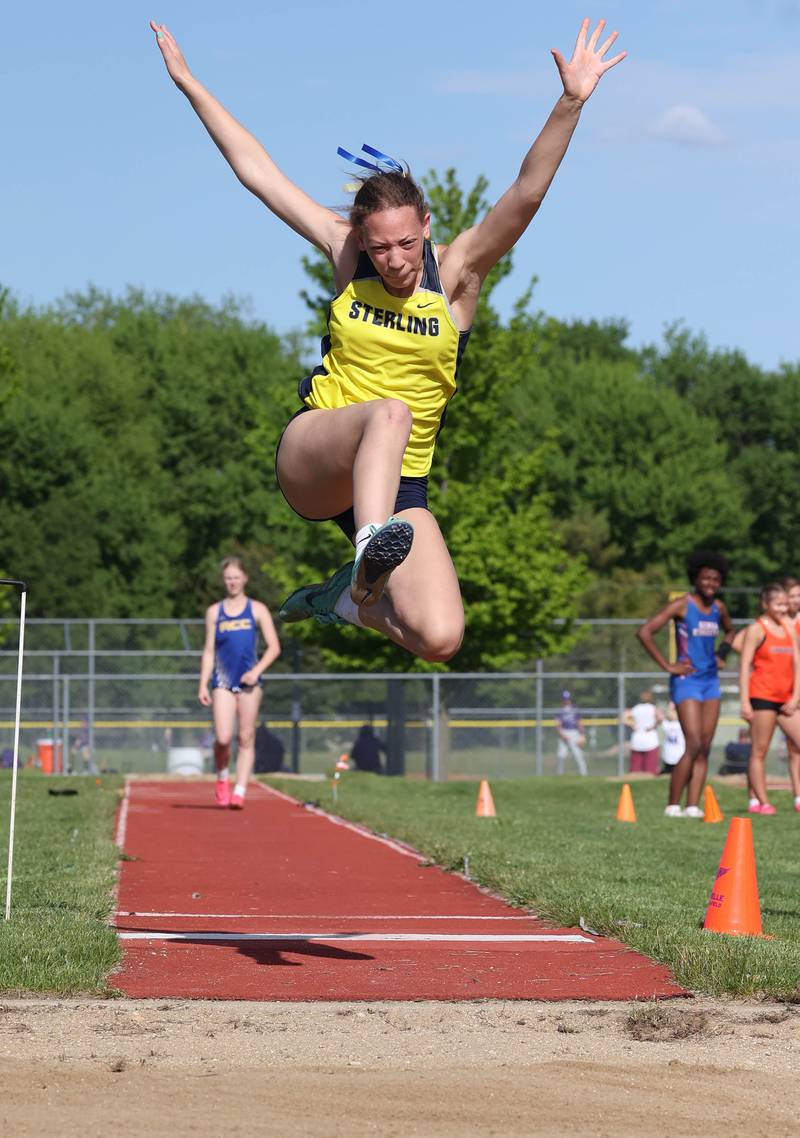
(394, 415)
(440, 645)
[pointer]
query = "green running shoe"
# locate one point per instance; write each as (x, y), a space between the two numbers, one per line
(388, 547)
(317, 600)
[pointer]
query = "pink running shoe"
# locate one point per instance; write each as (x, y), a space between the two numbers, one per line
(754, 807)
(237, 801)
(222, 792)
(767, 808)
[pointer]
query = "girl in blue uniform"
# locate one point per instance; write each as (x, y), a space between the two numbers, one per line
(694, 676)
(365, 427)
(233, 669)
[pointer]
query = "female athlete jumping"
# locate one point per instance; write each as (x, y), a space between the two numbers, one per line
(360, 448)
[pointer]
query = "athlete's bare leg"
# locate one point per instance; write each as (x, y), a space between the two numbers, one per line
(709, 717)
(330, 460)
(247, 704)
(223, 707)
(794, 761)
(761, 731)
(698, 720)
(421, 608)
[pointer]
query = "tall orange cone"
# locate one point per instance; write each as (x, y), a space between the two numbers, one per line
(485, 805)
(711, 810)
(625, 809)
(733, 907)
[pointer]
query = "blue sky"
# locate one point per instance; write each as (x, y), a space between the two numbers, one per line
(678, 199)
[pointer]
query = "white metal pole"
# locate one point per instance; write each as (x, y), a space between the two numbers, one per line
(23, 598)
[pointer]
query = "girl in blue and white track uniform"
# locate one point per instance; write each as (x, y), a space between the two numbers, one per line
(234, 671)
(694, 676)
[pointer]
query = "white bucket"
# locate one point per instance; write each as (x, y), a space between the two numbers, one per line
(185, 760)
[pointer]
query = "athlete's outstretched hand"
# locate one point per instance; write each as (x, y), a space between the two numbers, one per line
(173, 57)
(583, 72)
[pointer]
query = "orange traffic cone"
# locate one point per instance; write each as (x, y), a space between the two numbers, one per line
(711, 810)
(485, 805)
(733, 907)
(625, 808)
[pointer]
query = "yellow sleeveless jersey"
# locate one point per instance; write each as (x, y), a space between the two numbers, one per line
(381, 346)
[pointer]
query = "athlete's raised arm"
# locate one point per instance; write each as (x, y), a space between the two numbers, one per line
(249, 160)
(480, 248)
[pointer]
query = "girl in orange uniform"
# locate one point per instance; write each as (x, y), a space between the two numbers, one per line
(769, 692)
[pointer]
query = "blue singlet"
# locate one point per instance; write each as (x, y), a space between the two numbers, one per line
(235, 648)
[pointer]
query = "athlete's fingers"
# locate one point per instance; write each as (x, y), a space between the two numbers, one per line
(561, 63)
(613, 62)
(580, 42)
(595, 36)
(607, 44)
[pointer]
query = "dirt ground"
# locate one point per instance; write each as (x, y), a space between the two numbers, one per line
(94, 1068)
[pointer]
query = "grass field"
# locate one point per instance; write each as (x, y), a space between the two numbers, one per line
(556, 847)
(58, 939)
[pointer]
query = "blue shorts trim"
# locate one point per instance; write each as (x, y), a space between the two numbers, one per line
(701, 688)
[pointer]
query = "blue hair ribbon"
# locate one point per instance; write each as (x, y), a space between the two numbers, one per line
(392, 163)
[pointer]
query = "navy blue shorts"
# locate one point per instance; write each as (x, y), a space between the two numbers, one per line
(411, 494)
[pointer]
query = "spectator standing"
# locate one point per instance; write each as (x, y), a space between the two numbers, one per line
(643, 719)
(674, 743)
(571, 738)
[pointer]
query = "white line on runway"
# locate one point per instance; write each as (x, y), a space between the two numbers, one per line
(448, 937)
(326, 916)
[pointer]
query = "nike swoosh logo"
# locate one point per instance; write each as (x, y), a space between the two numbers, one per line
(430, 302)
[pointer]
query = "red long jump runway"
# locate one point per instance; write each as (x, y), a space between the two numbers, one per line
(283, 902)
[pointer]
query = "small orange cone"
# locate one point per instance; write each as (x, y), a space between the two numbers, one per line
(711, 810)
(625, 808)
(485, 806)
(733, 907)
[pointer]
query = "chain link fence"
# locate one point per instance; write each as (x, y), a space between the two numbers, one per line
(122, 696)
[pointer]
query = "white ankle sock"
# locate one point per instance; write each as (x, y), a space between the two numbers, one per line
(347, 608)
(753, 802)
(363, 536)
(240, 790)
(223, 776)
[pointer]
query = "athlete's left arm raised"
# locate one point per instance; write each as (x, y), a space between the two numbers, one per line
(479, 249)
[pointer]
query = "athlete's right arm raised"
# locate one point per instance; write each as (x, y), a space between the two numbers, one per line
(249, 160)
